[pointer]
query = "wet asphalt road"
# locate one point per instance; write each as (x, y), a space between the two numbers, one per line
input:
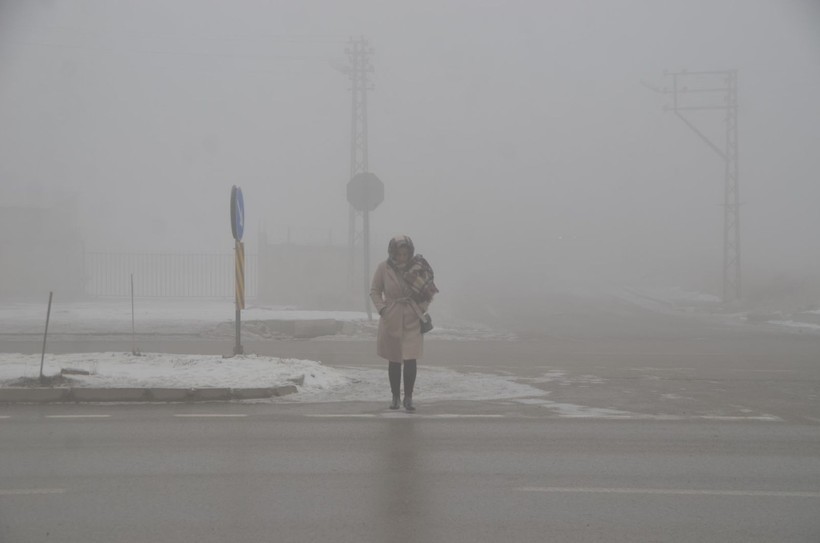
(718, 440)
(358, 473)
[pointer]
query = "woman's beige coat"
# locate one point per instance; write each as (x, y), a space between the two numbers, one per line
(399, 325)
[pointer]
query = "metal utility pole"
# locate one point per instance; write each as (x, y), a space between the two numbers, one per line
(716, 91)
(358, 51)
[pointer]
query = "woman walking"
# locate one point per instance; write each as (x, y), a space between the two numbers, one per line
(401, 290)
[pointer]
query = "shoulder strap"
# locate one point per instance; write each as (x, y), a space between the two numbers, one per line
(417, 309)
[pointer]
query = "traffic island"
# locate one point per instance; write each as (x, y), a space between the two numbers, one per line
(160, 395)
(34, 395)
(109, 394)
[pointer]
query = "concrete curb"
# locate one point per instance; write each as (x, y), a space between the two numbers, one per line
(107, 394)
(210, 394)
(80, 395)
(285, 390)
(33, 395)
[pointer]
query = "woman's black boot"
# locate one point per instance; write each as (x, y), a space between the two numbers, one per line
(409, 383)
(394, 372)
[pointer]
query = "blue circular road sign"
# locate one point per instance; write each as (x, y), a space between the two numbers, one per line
(237, 213)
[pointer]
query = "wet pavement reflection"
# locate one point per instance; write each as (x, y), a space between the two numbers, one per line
(403, 502)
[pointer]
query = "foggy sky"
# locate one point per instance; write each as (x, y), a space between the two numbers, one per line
(515, 139)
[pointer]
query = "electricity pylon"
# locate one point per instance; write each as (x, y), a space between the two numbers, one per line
(359, 71)
(714, 85)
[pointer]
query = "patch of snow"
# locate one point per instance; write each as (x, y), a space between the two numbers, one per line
(568, 410)
(728, 418)
(320, 383)
(432, 384)
(117, 370)
(561, 378)
(206, 317)
(548, 377)
(797, 324)
(150, 316)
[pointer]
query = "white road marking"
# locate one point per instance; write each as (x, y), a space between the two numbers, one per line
(676, 492)
(5, 416)
(341, 416)
(210, 415)
(574, 411)
(78, 416)
(759, 418)
(30, 491)
(593, 414)
(744, 370)
(457, 416)
(400, 414)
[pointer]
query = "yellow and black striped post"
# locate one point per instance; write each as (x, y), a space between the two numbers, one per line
(240, 294)
(240, 275)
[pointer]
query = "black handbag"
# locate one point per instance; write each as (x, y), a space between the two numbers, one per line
(426, 323)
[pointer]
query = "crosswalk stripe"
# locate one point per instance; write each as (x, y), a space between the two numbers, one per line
(401, 415)
(676, 491)
(78, 416)
(30, 491)
(341, 416)
(457, 416)
(210, 415)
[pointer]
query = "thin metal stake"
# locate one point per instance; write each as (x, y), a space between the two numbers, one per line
(133, 328)
(45, 335)
(238, 347)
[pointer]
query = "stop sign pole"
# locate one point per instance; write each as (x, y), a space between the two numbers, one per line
(365, 192)
(366, 265)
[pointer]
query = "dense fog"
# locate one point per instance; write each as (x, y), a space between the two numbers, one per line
(520, 143)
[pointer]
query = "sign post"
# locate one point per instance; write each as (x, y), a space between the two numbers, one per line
(365, 192)
(45, 335)
(237, 229)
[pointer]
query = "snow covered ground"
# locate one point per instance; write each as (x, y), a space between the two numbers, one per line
(319, 383)
(800, 325)
(215, 318)
(151, 316)
(206, 318)
(676, 300)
